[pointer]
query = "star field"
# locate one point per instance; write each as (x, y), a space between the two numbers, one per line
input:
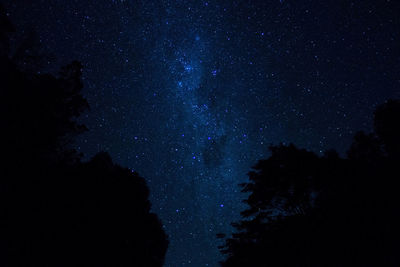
(191, 93)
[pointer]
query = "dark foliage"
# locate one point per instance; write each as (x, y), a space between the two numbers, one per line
(54, 209)
(306, 210)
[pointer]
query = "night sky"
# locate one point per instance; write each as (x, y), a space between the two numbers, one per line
(190, 94)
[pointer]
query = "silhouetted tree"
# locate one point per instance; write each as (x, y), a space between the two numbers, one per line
(92, 214)
(54, 209)
(39, 111)
(387, 127)
(306, 210)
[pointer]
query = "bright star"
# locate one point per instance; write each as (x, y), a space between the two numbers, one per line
(188, 68)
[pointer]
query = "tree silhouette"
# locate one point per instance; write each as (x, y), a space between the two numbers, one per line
(387, 127)
(56, 210)
(306, 210)
(93, 214)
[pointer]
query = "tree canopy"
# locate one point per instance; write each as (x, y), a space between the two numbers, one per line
(309, 210)
(55, 209)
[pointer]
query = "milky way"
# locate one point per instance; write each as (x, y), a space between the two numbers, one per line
(203, 131)
(191, 93)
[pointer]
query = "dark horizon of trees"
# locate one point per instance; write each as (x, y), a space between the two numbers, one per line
(309, 210)
(56, 210)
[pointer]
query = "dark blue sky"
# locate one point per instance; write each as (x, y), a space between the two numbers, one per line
(191, 93)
